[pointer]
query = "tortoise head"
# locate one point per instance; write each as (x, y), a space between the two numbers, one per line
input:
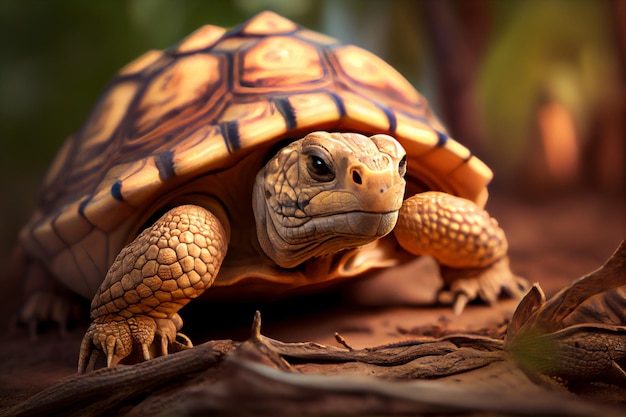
(328, 192)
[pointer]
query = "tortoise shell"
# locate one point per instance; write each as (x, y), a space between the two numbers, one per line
(202, 117)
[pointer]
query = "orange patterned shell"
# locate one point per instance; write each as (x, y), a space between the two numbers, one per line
(201, 106)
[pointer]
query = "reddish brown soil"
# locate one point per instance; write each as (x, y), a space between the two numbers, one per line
(551, 243)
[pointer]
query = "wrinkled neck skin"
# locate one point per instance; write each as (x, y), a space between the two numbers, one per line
(300, 215)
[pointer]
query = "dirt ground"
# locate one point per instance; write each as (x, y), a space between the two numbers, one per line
(551, 242)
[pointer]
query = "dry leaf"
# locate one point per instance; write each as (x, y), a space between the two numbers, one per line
(580, 333)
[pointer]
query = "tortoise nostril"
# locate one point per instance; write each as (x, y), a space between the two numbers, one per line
(356, 177)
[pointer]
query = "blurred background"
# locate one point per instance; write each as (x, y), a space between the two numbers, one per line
(535, 87)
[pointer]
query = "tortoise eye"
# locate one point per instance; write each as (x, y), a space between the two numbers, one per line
(402, 167)
(319, 169)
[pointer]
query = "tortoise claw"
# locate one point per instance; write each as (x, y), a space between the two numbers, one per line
(111, 335)
(485, 284)
(183, 340)
(118, 337)
(460, 302)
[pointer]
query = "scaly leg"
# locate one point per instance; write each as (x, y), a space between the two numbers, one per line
(152, 278)
(465, 240)
(46, 300)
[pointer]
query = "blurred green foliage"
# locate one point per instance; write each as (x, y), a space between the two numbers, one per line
(545, 50)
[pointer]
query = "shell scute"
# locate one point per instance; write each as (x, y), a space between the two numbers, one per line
(444, 159)
(76, 264)
(203, 38)
(106, 117)
(267, 23)
(378, 77)
(64, 263)
(104, 212)
(281, 62)
(140, 181)
(71, 228)
(178, 87)
(44, 239)
(362, 110)
(470, 176)
(205, 143)
(141, 63)
(306, 108)
(419, 129)
(254, 123)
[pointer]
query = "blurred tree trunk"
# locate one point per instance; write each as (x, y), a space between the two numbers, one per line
(459, 33)
(605, 164)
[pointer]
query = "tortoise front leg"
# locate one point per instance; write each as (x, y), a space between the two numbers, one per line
(468, 244)
(152, 278)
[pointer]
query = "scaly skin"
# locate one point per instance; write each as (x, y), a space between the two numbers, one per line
(151, 279)
(455, 231)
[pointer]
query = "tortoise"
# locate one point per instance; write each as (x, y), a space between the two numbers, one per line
(262, 157)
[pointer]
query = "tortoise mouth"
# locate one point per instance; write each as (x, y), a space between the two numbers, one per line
(323, 235)
(333, 233)
(357, 223)
(327, 234)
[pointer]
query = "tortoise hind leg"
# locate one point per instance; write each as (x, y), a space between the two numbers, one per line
(45, 300)
(468, 244)
(152, 278)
